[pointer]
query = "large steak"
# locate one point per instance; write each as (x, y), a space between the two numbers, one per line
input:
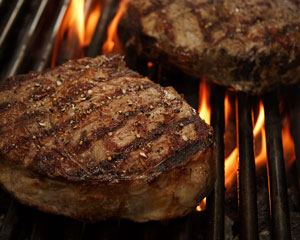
(251, 46)
(94, 140)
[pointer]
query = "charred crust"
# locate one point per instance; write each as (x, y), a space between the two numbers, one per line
(75, 121)
(15, 81)
(123, 153)
(180, 157)
(54, 114)
(5, 106)
(30, 116)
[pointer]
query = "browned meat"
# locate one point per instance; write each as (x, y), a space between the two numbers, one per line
(94, 140)
(248, 45)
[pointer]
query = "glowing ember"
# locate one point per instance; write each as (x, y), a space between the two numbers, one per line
(150, 64)
(204, 108)
(112, 43)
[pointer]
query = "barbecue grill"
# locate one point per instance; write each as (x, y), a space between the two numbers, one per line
(28, 30)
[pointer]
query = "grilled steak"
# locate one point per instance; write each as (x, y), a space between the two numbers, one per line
(248, 45)
(94, 140)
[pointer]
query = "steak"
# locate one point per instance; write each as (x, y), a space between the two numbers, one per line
(250, 46)
(94, 140)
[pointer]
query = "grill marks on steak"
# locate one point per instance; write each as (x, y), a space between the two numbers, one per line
(112, 143)
(95, 119)
(248, 45)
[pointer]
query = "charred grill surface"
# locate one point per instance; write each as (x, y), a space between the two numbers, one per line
(106, 137)
(250, 46)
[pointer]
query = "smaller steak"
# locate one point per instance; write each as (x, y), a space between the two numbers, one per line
(251, 46)
(93, 140)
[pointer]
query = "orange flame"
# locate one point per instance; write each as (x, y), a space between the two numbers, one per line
(91, 24)
(288, 144)
(76, 26)
(287, 141)
(231, 162)
(259, 133)
(231, 166)
(204, 108)
(112, 43)
(261, 157)
(72, 24)
(201, 206)
(227, 110)
(204, 112)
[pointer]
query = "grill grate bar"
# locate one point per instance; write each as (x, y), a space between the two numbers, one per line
(10, 221)
(10, 21)
(276, 167)
(215, 202)
(41, 63)
(247, 185)
(22, 46)
(296, 128)
(64, 228)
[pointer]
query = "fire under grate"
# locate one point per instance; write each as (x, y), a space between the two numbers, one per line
(28, 33)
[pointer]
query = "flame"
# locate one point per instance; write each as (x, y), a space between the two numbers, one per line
(231, 162)
(261, 157)
(75, 20)
(204, 108)
(227, 110)
(204, 112)
(201, 206)
(91, 24)
(287, 141)
(260, 120)
(76, 26)
(259, 134)
(112, 43)
(288, 144)
(231, 166)
(72, 24)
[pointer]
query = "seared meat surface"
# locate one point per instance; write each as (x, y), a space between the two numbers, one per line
(250, 46)
(93, 140)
